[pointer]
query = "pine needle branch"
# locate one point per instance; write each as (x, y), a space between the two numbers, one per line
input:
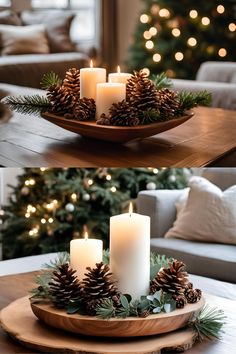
(106, 310)
(50, 79)
(190, 100)
(208, 323)
(162, 81)
(30, 104)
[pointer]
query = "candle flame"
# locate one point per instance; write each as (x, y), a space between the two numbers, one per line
(86, 235)
(118, 69)
(91, 63)
(131, 209)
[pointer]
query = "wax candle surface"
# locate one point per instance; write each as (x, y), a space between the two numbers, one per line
(85, 253)
(89, 78)
(130, 253)
(107, 94)
(119, 77)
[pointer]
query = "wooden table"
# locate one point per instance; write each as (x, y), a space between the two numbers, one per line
(15, 286)
(206, 140)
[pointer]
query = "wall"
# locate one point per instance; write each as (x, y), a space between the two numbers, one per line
(128, 13)
(7, 176)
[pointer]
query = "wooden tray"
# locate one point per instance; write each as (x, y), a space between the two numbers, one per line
(90, 129)
(116, 327)
(20, 323)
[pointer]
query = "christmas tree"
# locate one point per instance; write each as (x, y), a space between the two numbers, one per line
(49, 207)
(177, 36)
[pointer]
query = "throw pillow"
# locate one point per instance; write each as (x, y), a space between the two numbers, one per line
(23, 40)
(208, 216)
(57, 25)
(9, 18)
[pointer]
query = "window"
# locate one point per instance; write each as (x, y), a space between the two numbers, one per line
(84, 25)
(5, 3)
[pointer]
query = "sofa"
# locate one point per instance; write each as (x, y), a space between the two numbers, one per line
(219, 78)
(28, 69)
(210, 260)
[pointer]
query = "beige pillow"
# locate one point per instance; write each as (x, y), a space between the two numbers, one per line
(209, 214)
(23, 40)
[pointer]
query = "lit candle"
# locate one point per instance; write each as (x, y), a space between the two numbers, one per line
(130, 253)
(85, 253)
(107, 94)
(89, 78)
(119, 77)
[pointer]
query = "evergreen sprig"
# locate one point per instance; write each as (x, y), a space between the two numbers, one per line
(162, 81)
(106, 310)
(50, 79)
(28, 104)
(190, 100)
(208, 323)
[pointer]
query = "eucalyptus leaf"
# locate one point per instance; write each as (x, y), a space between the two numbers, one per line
(144, 305)
(128, 297)
(124, 301)
(156, 310)
(74, 307)
(154, 270)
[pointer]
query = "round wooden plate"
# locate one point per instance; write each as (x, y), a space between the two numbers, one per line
(20, 323)
(116, 327)
(115, 134)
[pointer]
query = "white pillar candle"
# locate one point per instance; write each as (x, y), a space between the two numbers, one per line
(85, 253)
(107, 94)
(130, 253)
(89, 78)
(119, 77)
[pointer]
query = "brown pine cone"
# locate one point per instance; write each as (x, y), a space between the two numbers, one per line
(60, 99)
(168, 103)
(92, 305)
(144, 313)
(132, 82)
(116, 300)
(171, 280)
(123, 114)
(99, 283)
(72, 82)
(180, 301)
(64, 286)
(189, 286)
(103, 120)
(84, 109)
(193, 295)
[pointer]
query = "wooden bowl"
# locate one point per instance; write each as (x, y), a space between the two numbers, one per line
(115, 327)
(115, 134)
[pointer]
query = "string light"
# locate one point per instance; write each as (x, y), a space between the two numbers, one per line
(164, 13)
(222, 52)
(149, 45)
(144, 18)
(90, 182)
(155, 171)
(193, 14)
(220, 9)
(50, 220)
(43, 169)
(176, 32)
(179, 56)
(108, 177)
(146, 71)
(27, 215)
(34, 231)
(2, 212)
(157, 58)
(43, 221)
(153, 31)
(205, 21)
(74, 197)
(192, 42)
(113, 189)
(27, 182)
(232, 27)
(147, 35)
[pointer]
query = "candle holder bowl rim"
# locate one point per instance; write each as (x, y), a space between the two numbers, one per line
(123, 134)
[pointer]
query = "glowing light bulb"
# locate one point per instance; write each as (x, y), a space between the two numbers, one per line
(27, 182)
(155, 171)
(193, 14)
(144, 18)
(43, 169)
(90, 182)
(192, 42)
(108, 177)
(164, 13)
(153, 31)
(179, 56)
(50, 220)
(33, 210)
(176, 32)
(113, 189)
(220, 9)
(131, 208)
(146, 71)
(205, 21)
(157, 58)
(32, 182)
(232, 27)
(74, 197)
(222, 52)
(43, 221)
(147, 35)
(149, 45)
(27, 215)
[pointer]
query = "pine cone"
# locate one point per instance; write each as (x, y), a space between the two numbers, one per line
(99, 283)
(171, 280)
(143, 94)
(144, 313)
(104, 120)
(64, 286)
(72, 82)
(92, 305)
(123, 114)
(132, 82)
(180, 301)
(61, 100)
(193, 295)
(84, 109)
(168, 103)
